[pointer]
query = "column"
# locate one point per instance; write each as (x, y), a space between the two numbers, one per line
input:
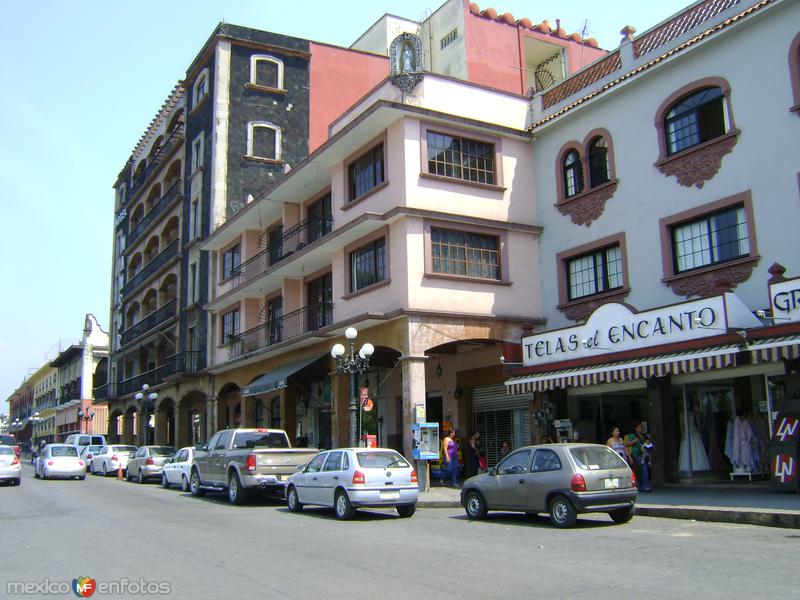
(340, 416)
(211, 418)
(661, 417)
(178, 427)
(289, 412)
(413, 397)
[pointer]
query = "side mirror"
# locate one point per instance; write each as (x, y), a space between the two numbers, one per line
(493, 471)
(301, 467)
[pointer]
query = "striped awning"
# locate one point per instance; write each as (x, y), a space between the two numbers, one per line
(717, 357)
(775, 349)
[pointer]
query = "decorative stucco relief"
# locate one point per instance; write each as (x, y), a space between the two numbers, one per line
(714, 281)
(699, 164)
(580, 311)
(587, 206)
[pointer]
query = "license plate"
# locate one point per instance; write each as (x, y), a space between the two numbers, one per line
(390, 495)
(612, 483)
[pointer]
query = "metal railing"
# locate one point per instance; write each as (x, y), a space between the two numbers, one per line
(182, 362)
(585, 78)
(151, 268)
(174, 138)
(287, 327)
(174, 190)
(152, 320)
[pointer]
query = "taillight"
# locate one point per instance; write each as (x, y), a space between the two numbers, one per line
(633, 478)
(114, 458)
(358, 478)
(49, 463)
(80, 463)
(149, 461)
(15, 461)
(251, 462)
(89, 456)
(577, 483)
(414, 476)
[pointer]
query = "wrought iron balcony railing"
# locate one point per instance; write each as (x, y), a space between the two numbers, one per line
(175, 190)
(174, 138)
(182, 362)
(151, 268)
(290, 325)
(150, 321)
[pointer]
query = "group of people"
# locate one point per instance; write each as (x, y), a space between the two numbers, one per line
(636, 449)
(474, 458)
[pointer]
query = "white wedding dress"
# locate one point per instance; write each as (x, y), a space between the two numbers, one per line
(700, 460)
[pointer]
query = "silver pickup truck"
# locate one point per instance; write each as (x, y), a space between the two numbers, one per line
(245, 460)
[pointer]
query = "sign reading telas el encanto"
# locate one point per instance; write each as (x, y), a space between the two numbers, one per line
(785, 298)
(615, 328)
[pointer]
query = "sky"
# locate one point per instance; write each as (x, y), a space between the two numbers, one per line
(81, 81)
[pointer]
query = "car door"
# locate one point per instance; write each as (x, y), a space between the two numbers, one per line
(217, 464)
(203, 459)
(506, 490)
(330, 476)
(309, 492)
(136, 462)
(169, 468)
(100, 460)
(546, 474)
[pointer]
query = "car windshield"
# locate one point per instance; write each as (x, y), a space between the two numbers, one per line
(260, 439)
(162, 451)
(124, 448)
(380, 460)
(92, 449)
(7, 450)
(592, 458)
(63, 451)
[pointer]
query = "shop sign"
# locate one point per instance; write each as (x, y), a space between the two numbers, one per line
(784, 468)
(614, 327)
(785, 298)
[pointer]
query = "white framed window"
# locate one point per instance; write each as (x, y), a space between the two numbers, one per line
(266, 71)
(194, 218)
(197, 151)
(200, 88)
(263, 140)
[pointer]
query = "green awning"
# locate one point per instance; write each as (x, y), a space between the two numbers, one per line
(275, 380)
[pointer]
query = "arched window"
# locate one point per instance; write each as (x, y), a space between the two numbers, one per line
(275, 413)
(266, 71)
(599, 167)
(694, 119)
(200, 89)
(794, 72)
(263, 140)
(573, 174)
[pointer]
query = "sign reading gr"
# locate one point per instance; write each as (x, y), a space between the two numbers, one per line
(785, 299)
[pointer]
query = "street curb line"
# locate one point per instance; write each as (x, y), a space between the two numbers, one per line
(784, 520)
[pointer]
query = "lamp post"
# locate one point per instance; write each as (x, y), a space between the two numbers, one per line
(146, 402)
(85, 416)
(352, 363)
(196, 426)
(35, 419)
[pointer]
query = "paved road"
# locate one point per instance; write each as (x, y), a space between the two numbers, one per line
(54, 531)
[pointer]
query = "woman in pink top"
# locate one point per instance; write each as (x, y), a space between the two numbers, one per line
(450, 448)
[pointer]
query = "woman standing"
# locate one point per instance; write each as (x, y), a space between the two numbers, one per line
(474, 454)
(617, 444)
(450, 453)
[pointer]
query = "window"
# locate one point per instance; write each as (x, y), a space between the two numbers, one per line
(448, 39)
(266, 71)
(696, 118)
(515, 463)
(263, 140)
(319, 298)
(594, 273)
(230, 325)
(193, 287)
(197, 152)
(334, 462)
(320, 219)
(368, 265)
(546, 460)
(599, 169)
(200, 88)
(367, 172)
(316, 463)
(573, 174)
(709, 240)
(230, 261)
(194, 219)
(460, 158)
(464, 253)
(275, 319)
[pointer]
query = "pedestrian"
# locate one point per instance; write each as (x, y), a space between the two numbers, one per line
(450, 457)
(546, 439)
(474, 453)
(504, 449)
(640, 456)
(617, 444)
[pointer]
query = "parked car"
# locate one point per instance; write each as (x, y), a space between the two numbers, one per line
(350, 478)
(147, 462)
(10, 469)
(241, 461)
(87, 454)
(60, 460)
(563, 480)
(86, 439)
(177, 470)
(111, 458)
(8, 439)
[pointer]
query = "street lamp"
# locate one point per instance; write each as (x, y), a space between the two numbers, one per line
(352, 363)
(196, 424)
(85, 416)
(146, 403)
(35, 419)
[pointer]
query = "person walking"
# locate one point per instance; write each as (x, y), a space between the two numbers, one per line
(635, 444)
(450, 454)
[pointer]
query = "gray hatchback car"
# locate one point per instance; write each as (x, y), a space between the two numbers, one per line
(560, 479)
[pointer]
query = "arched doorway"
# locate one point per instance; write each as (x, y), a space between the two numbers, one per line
(130, 427)
(192, 420)
(165, 423)
(115, 427)
(228, 400)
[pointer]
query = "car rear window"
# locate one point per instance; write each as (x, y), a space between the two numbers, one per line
(380, 460)
(8, 440)
(93, 448)
(260, 439)
(7, 450)
(63, 451)
(592, 458)
(123, 448)
(162, 451)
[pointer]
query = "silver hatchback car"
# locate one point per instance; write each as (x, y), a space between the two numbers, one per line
(560, 479)
(349, 478)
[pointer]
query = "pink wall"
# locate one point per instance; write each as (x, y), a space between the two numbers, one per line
(339, 77)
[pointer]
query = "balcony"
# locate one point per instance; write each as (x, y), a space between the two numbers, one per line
(287, 327)
(151, 268)
(152, 320)
(174, 139)
(102, 392)
(161, 206)
(182, 362)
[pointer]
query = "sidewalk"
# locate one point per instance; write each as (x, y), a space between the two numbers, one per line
(747, 503)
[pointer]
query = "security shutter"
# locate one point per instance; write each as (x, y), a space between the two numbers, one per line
(499, 418)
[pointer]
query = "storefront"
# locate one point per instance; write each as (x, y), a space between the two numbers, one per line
(499, 418)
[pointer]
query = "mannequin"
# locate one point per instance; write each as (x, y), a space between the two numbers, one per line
(693, 442)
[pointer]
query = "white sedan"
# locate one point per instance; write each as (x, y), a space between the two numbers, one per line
(176, 471)
(60, 460)
(349, 478)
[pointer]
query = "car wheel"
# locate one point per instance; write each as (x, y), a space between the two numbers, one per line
(622, 515)
(141, 477)
(194, 485)
(236, 493)
(35, 474)
(128, 476)
(164, 481)
(562, 513)
(406, 510)
(184, 484)
(16, 481)
(105, 470)
(475, 506)
(292, 500)
(343, 507)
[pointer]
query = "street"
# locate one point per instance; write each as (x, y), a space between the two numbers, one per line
(56, 531)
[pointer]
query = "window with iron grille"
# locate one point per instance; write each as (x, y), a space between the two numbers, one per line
(696, 118)
(573, 173)
(594, 273)
(713, 239)
(230, 261)
(368, 265)
(230, 325)
(367, 172)
(464, 253)
(599, 170)
(460, 158)
(448, 39)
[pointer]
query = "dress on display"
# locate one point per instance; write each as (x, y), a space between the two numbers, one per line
(699, 457)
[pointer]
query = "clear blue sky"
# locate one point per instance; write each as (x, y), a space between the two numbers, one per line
(81, 81)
